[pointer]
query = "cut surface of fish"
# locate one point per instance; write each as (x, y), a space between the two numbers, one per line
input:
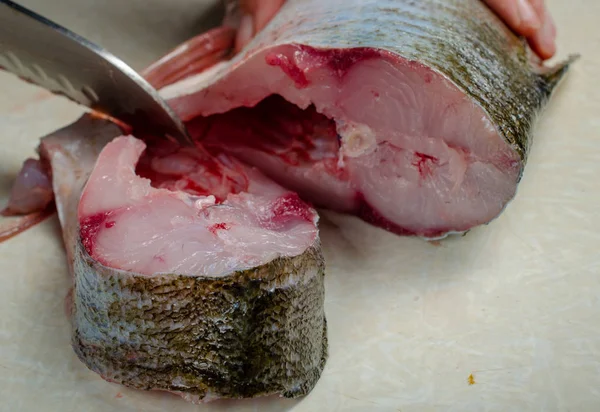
(192, 273)
(204, 215)
(416, 116)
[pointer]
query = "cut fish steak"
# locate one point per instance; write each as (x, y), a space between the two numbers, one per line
(192, 273)
(415, 115)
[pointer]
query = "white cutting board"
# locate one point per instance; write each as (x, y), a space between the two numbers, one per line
(515, 304)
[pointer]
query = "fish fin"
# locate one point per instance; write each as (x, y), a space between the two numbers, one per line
(12, 226)
(192, 57)
(554, 74)
(551, 76)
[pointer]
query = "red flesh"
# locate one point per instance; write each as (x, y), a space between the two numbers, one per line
(90, 226)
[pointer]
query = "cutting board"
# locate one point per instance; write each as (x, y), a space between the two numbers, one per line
(504, 319)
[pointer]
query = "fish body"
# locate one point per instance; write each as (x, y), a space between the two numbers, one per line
(432, 105)
(166, 299)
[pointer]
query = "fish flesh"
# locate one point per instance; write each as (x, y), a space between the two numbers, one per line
(416, 116)
(192, 273)
(32, 190)
(30, 200)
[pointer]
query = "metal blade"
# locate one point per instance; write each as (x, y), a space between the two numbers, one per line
(46, 54)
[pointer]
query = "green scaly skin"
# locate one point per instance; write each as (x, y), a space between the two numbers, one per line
(256, 332)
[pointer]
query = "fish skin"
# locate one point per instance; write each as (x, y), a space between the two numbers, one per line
(461, 39)
(71, 159)
(254, 332)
